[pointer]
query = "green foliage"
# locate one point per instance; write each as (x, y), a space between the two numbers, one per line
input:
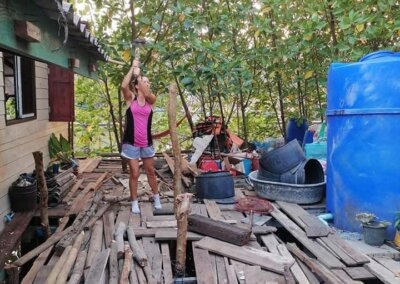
(397, 221)
(240, 51)
(60, 149)
(366, 218)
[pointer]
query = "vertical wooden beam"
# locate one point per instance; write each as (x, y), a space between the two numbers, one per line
(182, 206)
(44, 215)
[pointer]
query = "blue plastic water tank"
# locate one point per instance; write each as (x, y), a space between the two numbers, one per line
(363, 172)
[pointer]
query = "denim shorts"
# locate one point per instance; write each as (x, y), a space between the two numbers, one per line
(135, 153)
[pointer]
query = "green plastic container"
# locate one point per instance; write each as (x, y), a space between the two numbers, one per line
(316, 150)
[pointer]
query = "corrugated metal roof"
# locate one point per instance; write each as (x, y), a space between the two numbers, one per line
(78, 30)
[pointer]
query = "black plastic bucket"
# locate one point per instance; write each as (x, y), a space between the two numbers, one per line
(374, 234)
(215, 185)
(281, 160)
(23, 198)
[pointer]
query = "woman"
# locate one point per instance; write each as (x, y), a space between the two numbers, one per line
(137, 142)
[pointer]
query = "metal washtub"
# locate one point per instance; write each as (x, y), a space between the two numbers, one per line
(294, 193)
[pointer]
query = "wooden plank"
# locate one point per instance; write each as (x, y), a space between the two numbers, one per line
(338, 251)
(166, 263)
(161, 218)
(12, 233)
(146, 210)
(324, 273)
(252, 274)
(357, 255)
(221, 269)
(298, 274)
(268, 276)
(161, 224)
(154, 257)
(199, 208)
(97, 269)
(123, 216)
(71, 193)
(213, 210)
(218, 229)
(316, 249)
(359, 273)
(264, 259)
(92, 165)
(293, 211)
(134, 221)
(310, 276)
(230, 272)
(314, 227)
(271, 243)
(170, 234)
(381, 272)
(342, 275)
(108, 222)
(390, 264)
(202, 264)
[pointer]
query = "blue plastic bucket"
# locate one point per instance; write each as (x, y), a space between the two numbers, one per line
(296, 130)
(247, 166)
(363, 140)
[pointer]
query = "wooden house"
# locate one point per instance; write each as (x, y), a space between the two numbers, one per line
(42, 45)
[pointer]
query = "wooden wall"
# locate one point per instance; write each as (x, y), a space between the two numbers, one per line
(18, 141)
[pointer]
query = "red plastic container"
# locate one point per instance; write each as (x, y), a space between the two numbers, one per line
(209, 165)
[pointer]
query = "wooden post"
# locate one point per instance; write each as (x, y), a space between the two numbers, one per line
(182, 205)
(44, 215)
(174, 140)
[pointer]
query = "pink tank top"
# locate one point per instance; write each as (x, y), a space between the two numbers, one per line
(141, 123)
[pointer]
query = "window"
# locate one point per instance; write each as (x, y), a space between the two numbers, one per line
(19, 87)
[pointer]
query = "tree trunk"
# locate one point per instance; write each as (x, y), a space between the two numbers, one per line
(278, 79)
(41, 180)
(113, 118)
(332, 26)
(175, 142)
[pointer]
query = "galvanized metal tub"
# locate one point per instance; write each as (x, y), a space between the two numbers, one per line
(294, 193)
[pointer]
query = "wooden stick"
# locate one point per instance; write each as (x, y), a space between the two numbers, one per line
(127, 265)
(119, 238)
(174, 140)
(77, 272)
(42, 185)
(58, 266)
(138, 253)
(182, 211)
(62, 277)
(113, 264)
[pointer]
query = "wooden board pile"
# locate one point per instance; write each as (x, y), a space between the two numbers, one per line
(119, 247)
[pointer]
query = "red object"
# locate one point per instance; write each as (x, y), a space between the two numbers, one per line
(255, 164)
(255, 204)
(61, 94)
(209, 165)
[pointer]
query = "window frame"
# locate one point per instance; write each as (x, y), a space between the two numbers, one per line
(20, 94)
